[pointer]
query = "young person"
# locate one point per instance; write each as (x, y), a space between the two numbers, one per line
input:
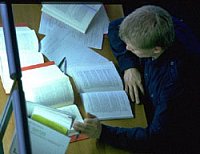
(159, 58)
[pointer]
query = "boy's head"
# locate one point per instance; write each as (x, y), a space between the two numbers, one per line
(147, 29)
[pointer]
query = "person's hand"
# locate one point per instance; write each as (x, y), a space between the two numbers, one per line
(133, 83)
(91, 126)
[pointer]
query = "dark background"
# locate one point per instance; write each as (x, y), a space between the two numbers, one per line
(187, 10)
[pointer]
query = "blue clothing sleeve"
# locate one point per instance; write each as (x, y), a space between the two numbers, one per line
(142, 139)
(126, 59)
(138, 138)
(170, 104)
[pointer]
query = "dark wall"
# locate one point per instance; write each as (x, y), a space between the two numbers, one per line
(187, 10)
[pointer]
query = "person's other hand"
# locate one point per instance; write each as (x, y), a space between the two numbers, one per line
(133, 83)
(91, 126)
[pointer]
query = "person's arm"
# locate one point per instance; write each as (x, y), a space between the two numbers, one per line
(125, 58)
(128, 62)
(143, 139)
(166, 115)
(135, 139)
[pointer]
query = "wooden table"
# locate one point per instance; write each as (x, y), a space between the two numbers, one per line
(30, 14)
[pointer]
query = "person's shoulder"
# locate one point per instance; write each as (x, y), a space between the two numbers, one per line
(116, 22)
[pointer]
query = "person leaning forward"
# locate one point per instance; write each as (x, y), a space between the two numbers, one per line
(158, 56)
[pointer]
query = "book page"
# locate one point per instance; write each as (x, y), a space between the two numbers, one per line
(55, 48)
(26, 39)
(31, 105)
(101, 77)
(56, 92)
(53, 118)
(44, 140)
(107, 105)
(43, 74)
(77, 16)
(96, 7)
(26, 59)
(28, 47)
(93, 38)
(48, 86)
(72, 109)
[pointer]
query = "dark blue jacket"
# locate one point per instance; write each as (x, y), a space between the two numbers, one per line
(171, 99)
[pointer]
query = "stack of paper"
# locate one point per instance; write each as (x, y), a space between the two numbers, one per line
(83, 23)
(71, 30)
(56, 48)
(78, 16)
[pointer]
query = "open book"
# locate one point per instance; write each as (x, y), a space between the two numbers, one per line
(60, 119)
(78, 16)
(101, 90)
(50, 97)
(27, 40)
(43, 140)
(45, 84)
(28, 53)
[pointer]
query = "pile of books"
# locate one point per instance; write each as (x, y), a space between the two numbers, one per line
(71, 32)
(51, 104)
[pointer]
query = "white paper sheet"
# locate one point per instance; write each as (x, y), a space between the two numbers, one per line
(94, 36)
(55, 48)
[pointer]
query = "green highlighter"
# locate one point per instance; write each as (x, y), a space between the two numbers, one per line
(54, 119)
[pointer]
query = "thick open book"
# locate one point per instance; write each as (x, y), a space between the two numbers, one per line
(44, 140)
(78, 16)
(60, 119)
(101, 90)
(107, 105)
(28, 47)
(27, 40)
(50, 97)
(47, 85)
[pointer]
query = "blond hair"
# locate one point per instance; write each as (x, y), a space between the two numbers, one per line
(147, 27)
